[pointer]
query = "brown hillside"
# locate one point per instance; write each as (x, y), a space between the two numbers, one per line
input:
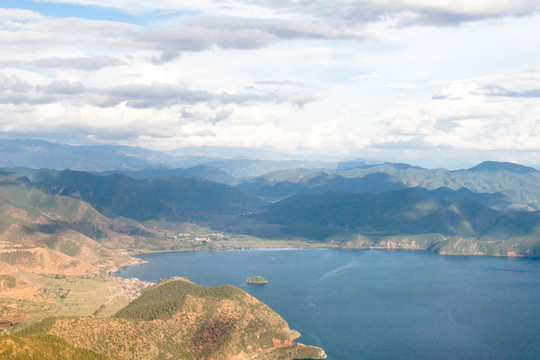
(46, 261)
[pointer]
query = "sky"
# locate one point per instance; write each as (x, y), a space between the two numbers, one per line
(445, 83)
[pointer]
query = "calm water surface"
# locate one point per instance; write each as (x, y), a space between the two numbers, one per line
(382, 304)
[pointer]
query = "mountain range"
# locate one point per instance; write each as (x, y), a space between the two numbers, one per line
(72, 215)
(407, 215)
(372, 207)
(502, 186)
(238, 162)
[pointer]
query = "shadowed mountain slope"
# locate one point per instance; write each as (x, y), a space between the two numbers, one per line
(171, 199)
(405, 212)
(282, 184)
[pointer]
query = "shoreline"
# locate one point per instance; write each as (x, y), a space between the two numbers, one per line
(338, 248)
(382, 249)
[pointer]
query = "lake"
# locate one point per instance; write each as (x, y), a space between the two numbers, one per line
(369, 304)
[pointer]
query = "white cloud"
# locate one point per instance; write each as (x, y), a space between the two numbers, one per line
(465, 116)
(358, 77)
(89, 63)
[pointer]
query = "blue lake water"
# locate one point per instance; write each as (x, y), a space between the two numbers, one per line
(371, 304)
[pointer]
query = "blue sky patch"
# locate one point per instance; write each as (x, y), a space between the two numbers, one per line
(91, 12)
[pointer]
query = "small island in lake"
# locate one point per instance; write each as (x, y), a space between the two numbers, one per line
(256, 280)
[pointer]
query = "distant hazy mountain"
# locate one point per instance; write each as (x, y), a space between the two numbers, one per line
(506, 186)
(239, 162)
(503, 186)
(249, 167)
(222, 152)
(42, 154)
(506, 166)
(198, 172)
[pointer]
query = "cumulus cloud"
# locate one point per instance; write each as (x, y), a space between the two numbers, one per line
(463, 115)
(39, 33)
(63, 87)
(203, 33)
(351, 75)
(314, 20)
(280, 82)
(81, 63)
(27, 32)
(13, 84)
(407, 11)
(404, 12)
(221, 116)
(89, 63)
(494, 90)
(213, 118)
(138, 96)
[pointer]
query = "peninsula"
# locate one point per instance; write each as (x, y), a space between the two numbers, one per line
(187, 321)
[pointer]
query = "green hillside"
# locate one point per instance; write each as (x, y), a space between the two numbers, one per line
(163, 301)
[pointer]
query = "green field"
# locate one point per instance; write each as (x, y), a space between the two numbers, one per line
(72, 296)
